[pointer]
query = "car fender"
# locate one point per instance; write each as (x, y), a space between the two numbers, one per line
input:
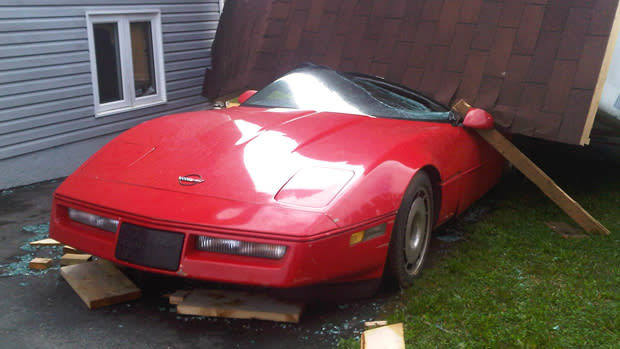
(445, 153)
(378, 192)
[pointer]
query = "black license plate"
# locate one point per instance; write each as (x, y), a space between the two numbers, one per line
(149, 247)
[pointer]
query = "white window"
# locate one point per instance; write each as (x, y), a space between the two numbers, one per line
(126, 59)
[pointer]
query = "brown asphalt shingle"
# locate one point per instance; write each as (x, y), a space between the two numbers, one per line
(532, 63)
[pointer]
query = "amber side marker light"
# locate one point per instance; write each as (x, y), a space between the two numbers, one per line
(367, 234)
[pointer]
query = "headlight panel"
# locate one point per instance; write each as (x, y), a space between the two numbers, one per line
(93, 220)
(239, 247)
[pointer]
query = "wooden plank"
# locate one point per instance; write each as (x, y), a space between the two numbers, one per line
(40, 263)
(100, 283)
(73, 258)
(566, 230)
(178, 296)
(544, 182)
(384, 337)
(239, 305)
(602, 77)
(69, 249)
(45, 242)
(373, 324)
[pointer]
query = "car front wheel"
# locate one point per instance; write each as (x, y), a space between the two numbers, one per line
(412, 231)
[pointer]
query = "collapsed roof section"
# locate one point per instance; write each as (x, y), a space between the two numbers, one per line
(534, 64)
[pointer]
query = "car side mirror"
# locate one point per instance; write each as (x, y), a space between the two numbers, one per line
(478, 119)
(246, 95)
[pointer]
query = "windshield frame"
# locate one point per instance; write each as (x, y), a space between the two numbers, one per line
(399, 89)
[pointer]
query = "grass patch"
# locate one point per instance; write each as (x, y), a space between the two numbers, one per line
(512, 282)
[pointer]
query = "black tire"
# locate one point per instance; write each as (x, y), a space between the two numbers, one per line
(411, 234)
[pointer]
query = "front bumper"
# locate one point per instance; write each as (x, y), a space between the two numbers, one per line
(327, 257)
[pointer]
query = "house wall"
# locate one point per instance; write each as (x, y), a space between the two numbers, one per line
(533, 64)
(47, 122)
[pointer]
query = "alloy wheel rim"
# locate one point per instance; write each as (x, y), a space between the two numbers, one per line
(416, 234)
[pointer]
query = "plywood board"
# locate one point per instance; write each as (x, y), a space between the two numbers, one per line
(100, 283)
(45, 242)
(239, 305)
(72, 258)
(385, 337)
(40, 263)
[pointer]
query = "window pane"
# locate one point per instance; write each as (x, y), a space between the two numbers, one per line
(108, 62)
(143, 65)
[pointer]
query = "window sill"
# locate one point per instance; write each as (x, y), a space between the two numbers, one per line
(99, 114)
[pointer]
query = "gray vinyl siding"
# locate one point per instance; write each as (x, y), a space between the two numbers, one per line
(46, 92)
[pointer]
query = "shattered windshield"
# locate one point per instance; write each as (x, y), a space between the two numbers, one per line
(319, 88)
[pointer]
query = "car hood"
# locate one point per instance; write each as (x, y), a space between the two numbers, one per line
(248, 154)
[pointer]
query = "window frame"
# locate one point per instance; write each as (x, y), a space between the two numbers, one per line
(123, 19)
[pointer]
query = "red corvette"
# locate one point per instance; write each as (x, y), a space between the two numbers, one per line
(322, 177)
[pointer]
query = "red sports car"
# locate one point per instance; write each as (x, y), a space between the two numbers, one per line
(322, 177)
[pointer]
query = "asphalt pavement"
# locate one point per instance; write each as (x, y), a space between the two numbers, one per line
(40, 310)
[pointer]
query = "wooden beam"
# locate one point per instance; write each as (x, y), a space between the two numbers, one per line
(100, 283)
(239, 305)
(602, 77)
(540, 178)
